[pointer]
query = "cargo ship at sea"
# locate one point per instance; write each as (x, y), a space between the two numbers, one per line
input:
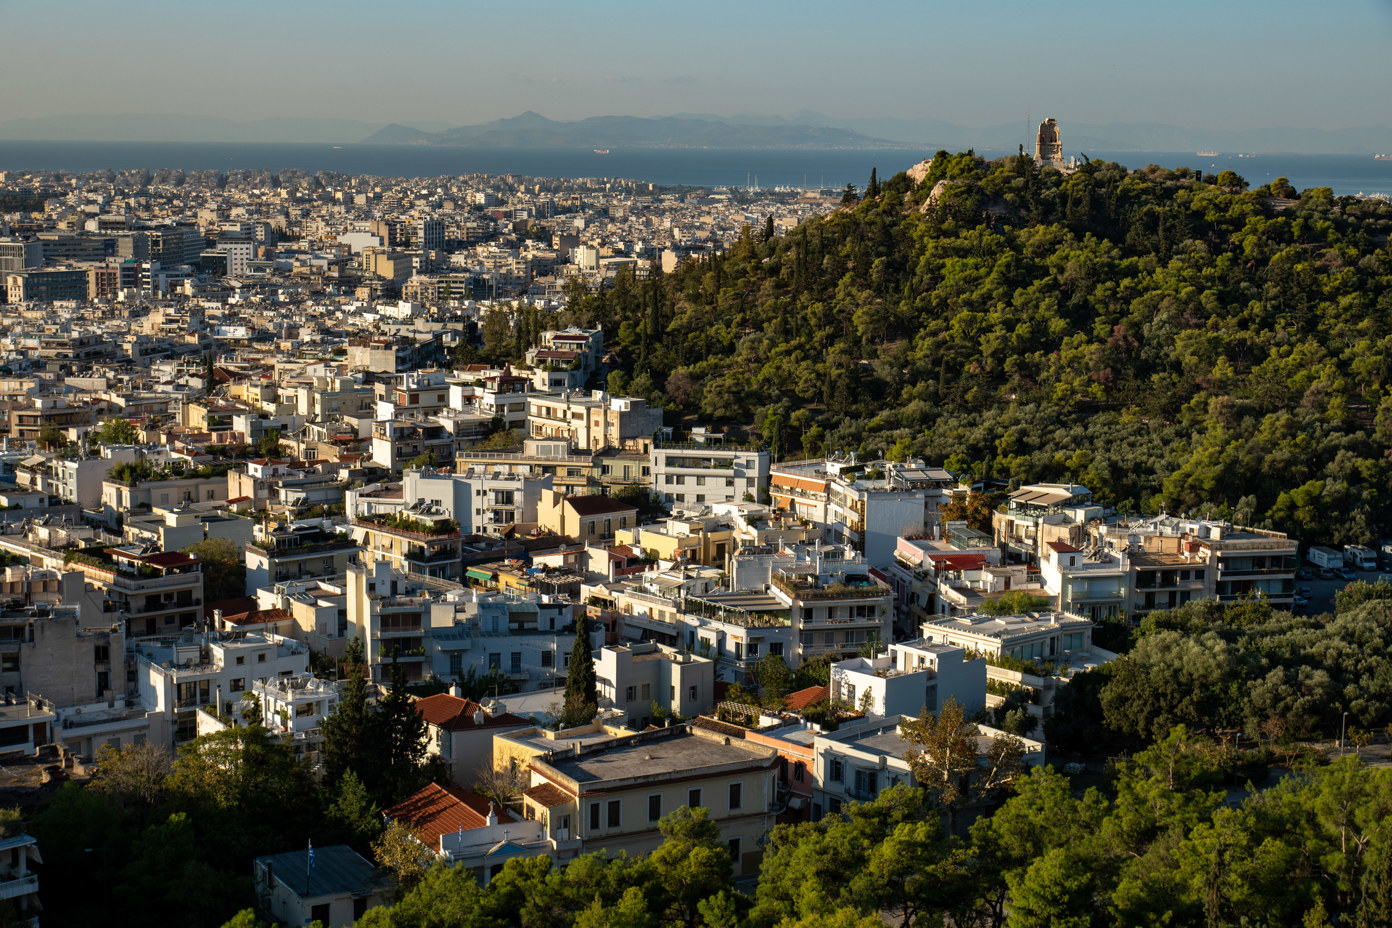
(1382, 157)
(1208, 154)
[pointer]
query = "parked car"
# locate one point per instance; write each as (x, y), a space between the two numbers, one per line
(1325, 573)
(1305, 591)
(1346, 573)
(1299, 602)
(1304, 573)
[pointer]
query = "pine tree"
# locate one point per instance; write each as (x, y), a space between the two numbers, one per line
(582, 688)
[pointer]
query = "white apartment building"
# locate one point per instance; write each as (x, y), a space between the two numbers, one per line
(911, 677)
(177, 679)
(635, 677)
(698, 474)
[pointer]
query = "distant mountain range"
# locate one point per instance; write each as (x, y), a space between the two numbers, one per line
(531, 130)
(804, 129)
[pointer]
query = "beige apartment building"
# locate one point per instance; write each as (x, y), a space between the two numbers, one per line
(610, 796)
(594, 420)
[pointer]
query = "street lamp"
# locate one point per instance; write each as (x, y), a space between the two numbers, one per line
(1342, 727)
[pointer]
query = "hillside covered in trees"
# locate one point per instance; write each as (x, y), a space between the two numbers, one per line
(1172, 341)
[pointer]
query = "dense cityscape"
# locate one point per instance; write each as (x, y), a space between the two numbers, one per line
(443, 486)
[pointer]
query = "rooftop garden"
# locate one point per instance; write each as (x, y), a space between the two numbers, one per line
(406, 523)
(143, 470)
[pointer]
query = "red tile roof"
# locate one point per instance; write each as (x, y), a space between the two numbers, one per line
(454, 714)
(437, 810)
(804, 698)
(1063, 547)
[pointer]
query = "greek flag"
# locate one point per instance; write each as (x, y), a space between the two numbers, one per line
(311, 853)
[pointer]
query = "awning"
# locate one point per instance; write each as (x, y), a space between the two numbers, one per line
(473, 573)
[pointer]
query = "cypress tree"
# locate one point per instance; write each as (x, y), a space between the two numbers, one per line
(345, 729)
(582, 688)
(401, 736)
(872, 189)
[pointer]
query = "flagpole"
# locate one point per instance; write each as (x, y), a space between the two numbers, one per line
(309, 862)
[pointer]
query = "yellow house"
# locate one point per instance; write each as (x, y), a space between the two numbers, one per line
(705, 540)
(586, 519)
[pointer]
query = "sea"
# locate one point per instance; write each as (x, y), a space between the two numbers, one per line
(702, 167)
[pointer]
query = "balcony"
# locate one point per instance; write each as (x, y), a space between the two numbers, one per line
(19, 886)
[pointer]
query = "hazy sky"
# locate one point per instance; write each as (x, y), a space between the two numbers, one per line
(1205, 63)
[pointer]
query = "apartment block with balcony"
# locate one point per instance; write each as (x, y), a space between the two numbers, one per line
(610, 795)
(19, 885)
(176, 677)
(692, 474)
(158, 593)
(1037, 514)
(300, 551)
(571, 472)
(482, 500)
(422, 539)
(526, 637)
(1173, 561)
(1094, 583)
(396, 618)
(593, 421)
(836, 603)
(296, 707)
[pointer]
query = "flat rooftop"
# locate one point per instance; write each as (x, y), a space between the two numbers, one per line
(677, 754)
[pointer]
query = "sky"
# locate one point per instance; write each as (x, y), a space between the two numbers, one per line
(1201, 63)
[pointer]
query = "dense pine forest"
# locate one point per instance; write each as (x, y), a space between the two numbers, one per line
(1173, 341)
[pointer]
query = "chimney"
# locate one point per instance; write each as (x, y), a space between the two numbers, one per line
(480, 717)
(456, 691)
(492, 816)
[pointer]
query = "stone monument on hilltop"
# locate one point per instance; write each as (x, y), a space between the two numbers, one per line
(1047, 146)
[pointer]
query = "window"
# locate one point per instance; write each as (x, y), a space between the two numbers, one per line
(733, 845)
(798, 771)
(546, 658)
(693, 798)
(9, 662)
(101, 653)
(238, 686)
(241, 659)
(647, 692)
(495, 661)
(515, 662)
(261, 657)
(736, 796)
(836, 771)
(594, 816)
(614, 813)
(655, 807)
(866, 782)
(359, 907)
(630, 694)
(776, 648)
(565, 825)
(692, 692)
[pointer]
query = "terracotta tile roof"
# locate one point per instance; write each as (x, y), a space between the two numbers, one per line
(804, 698)
(229, 606)
(454, 714)
(437, 810)
(547, 795)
